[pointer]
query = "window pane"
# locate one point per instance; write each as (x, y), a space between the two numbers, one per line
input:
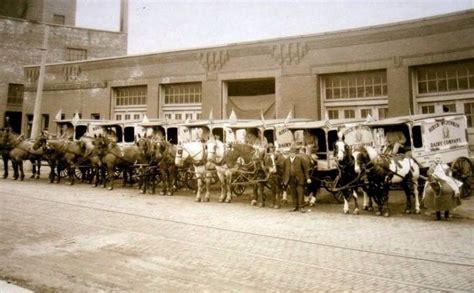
(427, 109)
(383, 113)
(15, 94)
(134, 95)
(445, 77)
(349, 113)
(449, 108)
(182, 93)
(329, 93)
(333, 114)
(355, 84)
(365, 112)
(469, 111)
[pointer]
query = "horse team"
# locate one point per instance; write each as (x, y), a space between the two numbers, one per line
(97, 159)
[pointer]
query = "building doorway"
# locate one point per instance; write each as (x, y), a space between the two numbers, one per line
(250, 98)
(14, 121)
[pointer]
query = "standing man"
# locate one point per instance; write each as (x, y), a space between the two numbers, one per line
(294, 175)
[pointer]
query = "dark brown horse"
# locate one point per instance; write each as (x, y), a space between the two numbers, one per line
(148, 166)
(271, 176)
(115, 157)
(166, 153)
(53, 153)
(21, 150)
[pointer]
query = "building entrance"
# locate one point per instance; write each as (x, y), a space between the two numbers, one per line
(14, 121)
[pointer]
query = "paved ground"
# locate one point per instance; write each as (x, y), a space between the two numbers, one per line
(62, 238)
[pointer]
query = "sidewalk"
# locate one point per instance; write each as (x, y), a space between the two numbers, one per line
(11, 288)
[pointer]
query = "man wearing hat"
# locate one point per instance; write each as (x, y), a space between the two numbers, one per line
(295, 174)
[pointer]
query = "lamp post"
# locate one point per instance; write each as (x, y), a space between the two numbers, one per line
(36, 127)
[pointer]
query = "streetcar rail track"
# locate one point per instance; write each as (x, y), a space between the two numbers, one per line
(469, 265)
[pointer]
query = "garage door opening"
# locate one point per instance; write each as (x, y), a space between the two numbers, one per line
(249, 98)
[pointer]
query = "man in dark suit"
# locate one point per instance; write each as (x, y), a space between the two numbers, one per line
(295, 173)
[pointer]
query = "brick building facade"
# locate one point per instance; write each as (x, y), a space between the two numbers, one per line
(22, 27)
(419, 66)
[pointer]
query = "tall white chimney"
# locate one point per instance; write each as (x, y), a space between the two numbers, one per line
(124, 16)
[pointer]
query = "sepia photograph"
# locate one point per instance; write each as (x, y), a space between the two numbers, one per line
(236, 146)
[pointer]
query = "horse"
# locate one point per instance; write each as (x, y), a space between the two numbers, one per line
(381, 170)
(74, 154)
(308, 155)
(166, 154)
(149, 164)
(114, 156)
(195, 153)
(21, 150)
(216, 157)
(347, 179)
(270, 177)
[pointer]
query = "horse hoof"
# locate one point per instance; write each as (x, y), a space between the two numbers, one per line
(378, 213)
(276, 207)
(346, 212)
(37, 177)
(32, 176)
(407, 212)
(110, 188)
(227, 201)
(142, 192)
(170, 194)
(207, 199)
(197, 200)
(253, 202)
(221, 200)
(261, 205)
(417, 212)
(356, 212)
(162, 193)
(386, 214)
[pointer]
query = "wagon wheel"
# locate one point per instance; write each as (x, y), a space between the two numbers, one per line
(118, 173)
(62, 171)
(330, 185)
(78, 173)
(238, 185)
(463, 170)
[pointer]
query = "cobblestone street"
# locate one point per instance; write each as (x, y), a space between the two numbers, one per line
(79, 238)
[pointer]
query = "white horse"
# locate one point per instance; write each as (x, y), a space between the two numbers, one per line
(195, 153)
(382, 170)
(216, 150)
